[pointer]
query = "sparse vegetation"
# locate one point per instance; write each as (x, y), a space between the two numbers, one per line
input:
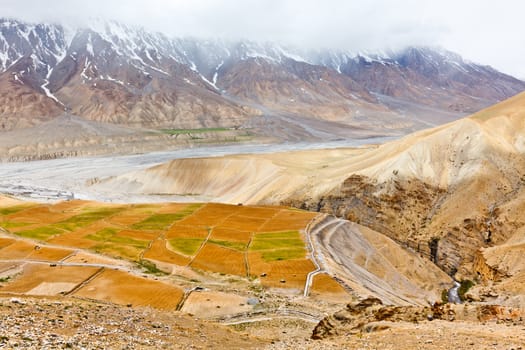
(163, 221)
(150, 267)
(13, 209)
(444, 296)
(109, 235)
(283, 254)
(241, 246)
(41, 233)
(11, 224)
(192, 131)
(186, 246)
(89, 216)
(279, 245)
(102, 235)
(118, 251)
(465, 285)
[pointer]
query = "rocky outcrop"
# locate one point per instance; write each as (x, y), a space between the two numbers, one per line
(369, 314)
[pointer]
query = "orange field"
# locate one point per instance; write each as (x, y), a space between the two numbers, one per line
(184, 231)
(170, 208)
(122, 288)
(74, 240)
(17, 250)
(171, 233)
(129, 217)
(292, 272)
(243, 223)
(258, 212)
(34, 275)
(41, 214)
(209, 215)
(288, 220)
(49, 254)
(323, 284)
(4, 242)
(227, 234)
(90, 258)
(219, 259)
(141, 235)
(73, 205)
(159, 252)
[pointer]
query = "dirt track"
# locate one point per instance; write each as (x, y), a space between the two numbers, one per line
(368, 263)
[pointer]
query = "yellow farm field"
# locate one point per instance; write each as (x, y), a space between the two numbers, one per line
(50, 254)
(243, 223)
(219, 259)
(90, 258)
(212, 237)
(292, 272)
(227, 234)
(160, 252)
(130, 217)
(185, 231)
(73, 239)
(41, 214)
(44, 276)
(72, 206)
(174, 208)
(323, 284)
(259, 212)
(140, 235)
(17, 250)
(288, 220)
(122, 288)
(210, 215)
(4, 242)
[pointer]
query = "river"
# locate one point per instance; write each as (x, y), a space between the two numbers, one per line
(66, 178)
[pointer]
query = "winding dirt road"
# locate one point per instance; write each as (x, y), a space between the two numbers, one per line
(368, 263)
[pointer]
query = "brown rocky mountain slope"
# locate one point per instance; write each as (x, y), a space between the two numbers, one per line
(110, 72)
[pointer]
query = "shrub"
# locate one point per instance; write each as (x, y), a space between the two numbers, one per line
(464, 287)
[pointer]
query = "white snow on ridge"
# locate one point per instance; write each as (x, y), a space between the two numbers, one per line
(291, 55)
(89, 46)
(120, 82)
(17, 79)
(216, 74)
(46, 89)
(83, 74)
(209, 82)
(49, 94)
(193, 67)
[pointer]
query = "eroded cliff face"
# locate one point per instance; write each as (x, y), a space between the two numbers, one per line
(449, 227)
(370, 314)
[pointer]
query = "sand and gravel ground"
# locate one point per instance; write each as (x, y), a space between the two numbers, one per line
(32, 323)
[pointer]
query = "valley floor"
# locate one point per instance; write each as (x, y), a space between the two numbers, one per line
(66, 178)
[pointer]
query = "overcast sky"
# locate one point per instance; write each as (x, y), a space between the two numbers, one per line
(485, 31)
